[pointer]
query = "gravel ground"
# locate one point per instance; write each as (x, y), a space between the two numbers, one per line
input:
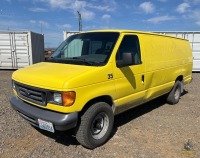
(152, 130)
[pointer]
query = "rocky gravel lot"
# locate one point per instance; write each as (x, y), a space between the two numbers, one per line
(152, 130)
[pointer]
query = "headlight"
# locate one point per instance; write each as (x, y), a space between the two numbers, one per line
(57, 97)
(64, 98)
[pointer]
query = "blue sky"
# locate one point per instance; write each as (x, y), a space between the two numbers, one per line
(52, 17)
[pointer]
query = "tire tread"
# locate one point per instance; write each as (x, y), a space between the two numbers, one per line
(85, 119)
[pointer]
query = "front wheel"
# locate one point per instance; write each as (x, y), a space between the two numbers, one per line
(95, 125)
(175, 94)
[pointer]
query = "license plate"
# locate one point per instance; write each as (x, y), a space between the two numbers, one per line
(48, 126)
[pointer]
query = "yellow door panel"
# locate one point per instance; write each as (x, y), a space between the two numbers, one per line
(129, 80)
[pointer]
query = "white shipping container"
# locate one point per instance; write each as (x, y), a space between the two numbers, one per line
(20, 49)
(66, 34)
(194, 39)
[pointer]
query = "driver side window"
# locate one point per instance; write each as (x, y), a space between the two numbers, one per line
(130, 44)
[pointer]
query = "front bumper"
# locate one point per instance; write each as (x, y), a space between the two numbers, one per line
(60, 121)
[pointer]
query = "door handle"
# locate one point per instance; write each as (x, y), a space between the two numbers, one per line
(142, 78)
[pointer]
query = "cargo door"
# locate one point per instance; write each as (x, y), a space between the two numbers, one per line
(129, 80)
(21, 50)
(6, 53)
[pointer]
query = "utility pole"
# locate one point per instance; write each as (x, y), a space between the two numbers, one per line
(41, 27)
(79, 21)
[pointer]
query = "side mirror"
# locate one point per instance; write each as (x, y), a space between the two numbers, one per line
(127, 59)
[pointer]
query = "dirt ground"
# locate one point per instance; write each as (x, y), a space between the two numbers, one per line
(152, 130)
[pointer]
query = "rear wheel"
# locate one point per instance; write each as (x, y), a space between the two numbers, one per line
(175, 94)
(95, 125)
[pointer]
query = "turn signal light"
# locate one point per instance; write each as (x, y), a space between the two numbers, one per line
(68, 98)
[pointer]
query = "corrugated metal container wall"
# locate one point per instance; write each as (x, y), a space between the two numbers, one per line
(194, 39)
(37, 41)
(20, 48)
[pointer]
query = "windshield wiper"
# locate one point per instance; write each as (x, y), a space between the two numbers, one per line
(91, 63)
(74, 60)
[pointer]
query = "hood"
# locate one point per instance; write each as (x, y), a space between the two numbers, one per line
(49, 75)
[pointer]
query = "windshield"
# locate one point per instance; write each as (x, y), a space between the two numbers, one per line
(93, 49)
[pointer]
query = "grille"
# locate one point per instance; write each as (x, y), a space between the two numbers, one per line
(31, 94)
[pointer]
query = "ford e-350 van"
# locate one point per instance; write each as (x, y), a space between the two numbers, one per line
(95, 75)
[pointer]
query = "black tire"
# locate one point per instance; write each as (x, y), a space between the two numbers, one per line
(175, 94)
(95, 126)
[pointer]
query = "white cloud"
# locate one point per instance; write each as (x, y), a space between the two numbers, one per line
(182, 8)
(99, 7)
(198, 23)
(32, 21)
(106, 17)
(67, 26)
(158, 19)
(44, 24)
(83, 6)
(12, 25)
(110, 4)
(64, 26)
(147, 7)
(74, 5)
(9, 23)
(196, 16)
(39, 23)
(196, 1)
(78, 5)
(58, 3)
(87, 15)
(38, 9)
(193, 15)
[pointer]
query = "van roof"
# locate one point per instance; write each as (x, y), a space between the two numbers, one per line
(134, 31)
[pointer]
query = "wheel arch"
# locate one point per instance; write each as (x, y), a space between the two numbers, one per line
(105, 98)
(179, 78)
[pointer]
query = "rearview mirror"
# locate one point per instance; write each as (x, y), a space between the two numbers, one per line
(127, 59)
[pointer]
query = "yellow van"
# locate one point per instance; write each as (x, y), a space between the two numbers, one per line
(95, 75)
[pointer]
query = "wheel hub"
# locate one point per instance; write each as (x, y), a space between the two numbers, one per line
(99, 126)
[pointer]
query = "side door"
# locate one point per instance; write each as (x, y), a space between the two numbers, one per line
(129, 79)
(21, 50)
(6, 54)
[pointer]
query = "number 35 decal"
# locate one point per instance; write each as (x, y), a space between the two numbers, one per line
(110, 76)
